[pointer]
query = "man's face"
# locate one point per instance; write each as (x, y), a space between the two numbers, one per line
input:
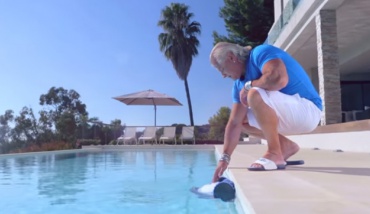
(228, 69)
(225, 71)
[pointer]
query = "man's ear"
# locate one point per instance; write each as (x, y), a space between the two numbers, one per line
(231, 56)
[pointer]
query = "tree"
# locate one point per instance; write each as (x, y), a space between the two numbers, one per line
(95, 128)
(6, 118)
(179, 42)
(117, 128)
(247, 21)
(28, 130)
(66, 110)
(5, 130)
(64, 118)
(67, 126)
(63, 100)
(82, 125)
(45, 125)
(218, 124)
(25, 131)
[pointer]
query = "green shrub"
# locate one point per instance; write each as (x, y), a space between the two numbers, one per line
(113, 142)
(51, 146)
(88, 142)
(208, 142)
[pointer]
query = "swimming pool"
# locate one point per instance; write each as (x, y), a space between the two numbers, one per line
(131, 181)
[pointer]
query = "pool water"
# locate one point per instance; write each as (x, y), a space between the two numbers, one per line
(132, 182)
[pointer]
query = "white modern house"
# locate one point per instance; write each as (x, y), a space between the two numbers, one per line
(331, 39)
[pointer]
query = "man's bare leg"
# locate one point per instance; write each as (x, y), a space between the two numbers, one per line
(288, 147)
(268, 121)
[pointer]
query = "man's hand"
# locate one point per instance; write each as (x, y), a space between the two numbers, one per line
(243, 95)
(221, 167)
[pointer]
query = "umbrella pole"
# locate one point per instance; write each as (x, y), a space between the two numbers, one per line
(155, 115)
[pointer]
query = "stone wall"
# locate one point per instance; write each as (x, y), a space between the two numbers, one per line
(328, 66)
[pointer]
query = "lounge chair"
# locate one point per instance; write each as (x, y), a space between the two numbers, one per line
(129, 135)
(187, 134)
(169, 134)
(149, 135)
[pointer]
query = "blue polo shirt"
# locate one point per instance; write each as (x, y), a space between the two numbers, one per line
(299, 82)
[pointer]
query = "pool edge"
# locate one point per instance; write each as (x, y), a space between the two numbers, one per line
(241, 201)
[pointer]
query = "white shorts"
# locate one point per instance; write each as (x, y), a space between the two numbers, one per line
(296, 115)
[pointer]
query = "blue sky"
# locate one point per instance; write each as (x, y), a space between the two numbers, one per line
(103, 49)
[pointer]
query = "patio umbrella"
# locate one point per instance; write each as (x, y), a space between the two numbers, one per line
(149, 97)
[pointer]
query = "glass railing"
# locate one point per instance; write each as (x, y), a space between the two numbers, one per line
(282, 21)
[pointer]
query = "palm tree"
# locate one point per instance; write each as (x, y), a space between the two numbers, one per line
(179, 42)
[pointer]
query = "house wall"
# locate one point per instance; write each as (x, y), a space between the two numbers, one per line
(278, 7)
(291, 29)
(343, 86)
(356, 77)
(355, 92)
(328, 66)
(346, 141)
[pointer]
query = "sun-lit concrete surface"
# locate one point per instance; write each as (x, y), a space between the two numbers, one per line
(328, 182)
(349, 137)
(347, 141)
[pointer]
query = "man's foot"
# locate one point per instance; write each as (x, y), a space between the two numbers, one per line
(288, 148)
(278, 159)
(264, 164)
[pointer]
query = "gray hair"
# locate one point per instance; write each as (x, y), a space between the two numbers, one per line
(220, 50)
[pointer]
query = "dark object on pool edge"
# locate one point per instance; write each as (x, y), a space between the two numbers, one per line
(225, 189)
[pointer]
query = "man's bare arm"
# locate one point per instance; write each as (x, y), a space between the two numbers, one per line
(274, 76)
(234, 127)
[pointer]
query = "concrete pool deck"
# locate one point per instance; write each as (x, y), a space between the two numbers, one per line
(328, 182)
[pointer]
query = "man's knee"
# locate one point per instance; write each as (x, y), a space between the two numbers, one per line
(254, 97)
